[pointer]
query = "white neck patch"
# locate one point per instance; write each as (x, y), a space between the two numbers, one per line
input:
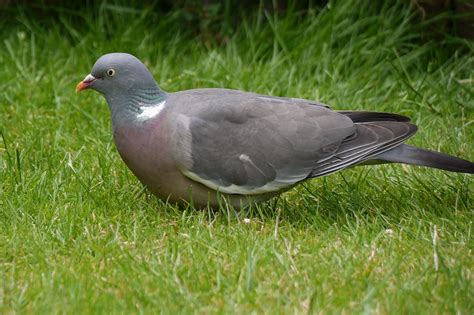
(151, 111)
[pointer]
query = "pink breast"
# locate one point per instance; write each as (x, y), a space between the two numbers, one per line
(143, 148)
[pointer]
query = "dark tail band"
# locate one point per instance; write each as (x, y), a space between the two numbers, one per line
(411, 155)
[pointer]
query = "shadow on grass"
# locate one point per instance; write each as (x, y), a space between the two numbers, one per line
(368, 197)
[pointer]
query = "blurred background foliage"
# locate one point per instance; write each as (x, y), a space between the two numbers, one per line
(214, 20)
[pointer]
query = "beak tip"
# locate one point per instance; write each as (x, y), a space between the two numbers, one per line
(84, 84)
(80, 86)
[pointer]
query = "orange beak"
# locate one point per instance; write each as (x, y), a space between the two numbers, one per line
(84, 84)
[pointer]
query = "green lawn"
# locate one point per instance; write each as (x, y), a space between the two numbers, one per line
(79, 234)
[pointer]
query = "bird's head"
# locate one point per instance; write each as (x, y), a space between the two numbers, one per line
(117, 74)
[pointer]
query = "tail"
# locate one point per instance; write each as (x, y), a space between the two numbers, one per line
(411, 155)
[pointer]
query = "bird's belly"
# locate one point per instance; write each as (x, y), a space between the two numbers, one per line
(146, 157)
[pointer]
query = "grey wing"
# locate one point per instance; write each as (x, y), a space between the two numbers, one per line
(251, 144)
(369, 140)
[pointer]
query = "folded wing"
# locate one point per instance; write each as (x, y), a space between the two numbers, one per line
(244, 143)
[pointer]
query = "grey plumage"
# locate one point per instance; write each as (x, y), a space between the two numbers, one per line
(417, 156)
(249, 140)
(189, 145)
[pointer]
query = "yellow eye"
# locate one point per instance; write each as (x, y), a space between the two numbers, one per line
(111, 72)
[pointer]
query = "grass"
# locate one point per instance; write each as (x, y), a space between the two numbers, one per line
(79, 234)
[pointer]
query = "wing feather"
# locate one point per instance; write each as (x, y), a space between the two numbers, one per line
(244, 143)
(370, 140)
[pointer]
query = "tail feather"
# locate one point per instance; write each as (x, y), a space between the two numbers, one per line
(411, 155)
(360, 117)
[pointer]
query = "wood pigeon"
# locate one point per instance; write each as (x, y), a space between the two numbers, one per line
(203, 145)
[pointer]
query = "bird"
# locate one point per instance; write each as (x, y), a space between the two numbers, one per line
(210, 146)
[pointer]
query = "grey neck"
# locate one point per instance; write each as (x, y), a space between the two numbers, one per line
(125, 109)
